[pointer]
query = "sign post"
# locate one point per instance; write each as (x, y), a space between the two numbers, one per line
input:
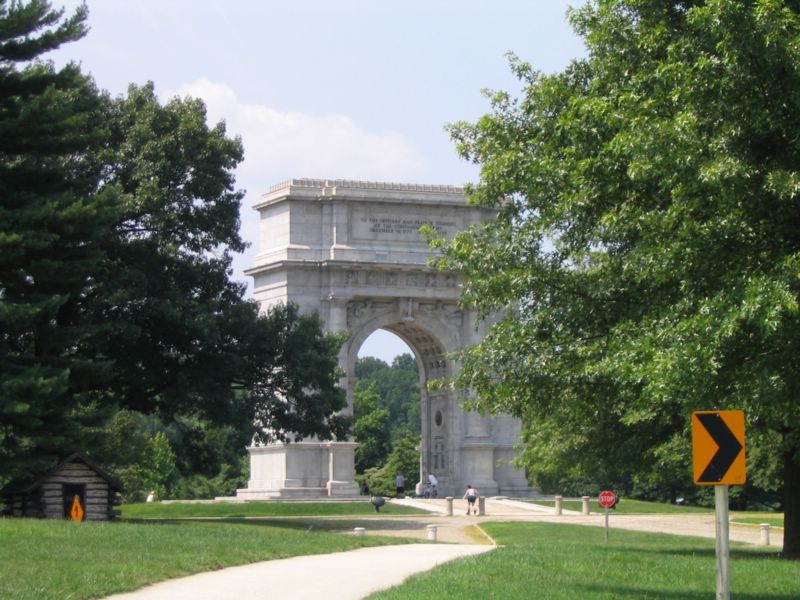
(719, 460)
(723, 542)
(607, 500)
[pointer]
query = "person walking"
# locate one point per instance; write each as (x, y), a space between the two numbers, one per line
(471, 495)
(434, 492)
(400, 485)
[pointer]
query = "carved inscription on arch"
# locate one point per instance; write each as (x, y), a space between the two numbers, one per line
(381, 224)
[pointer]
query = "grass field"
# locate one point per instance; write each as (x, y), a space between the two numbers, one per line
(232, 510)
(563, 562)
(629, 506)
(58, 560)
(775, 520)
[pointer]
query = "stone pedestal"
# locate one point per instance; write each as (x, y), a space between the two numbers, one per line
(301, 470)
(477, 460)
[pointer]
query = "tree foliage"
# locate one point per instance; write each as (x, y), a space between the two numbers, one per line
(118, 220)
(387, 421)
(645, 256)
(370, 428)
(398, 387)
(187, 458)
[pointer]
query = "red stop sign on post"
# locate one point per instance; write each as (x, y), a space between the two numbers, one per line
(608, 499)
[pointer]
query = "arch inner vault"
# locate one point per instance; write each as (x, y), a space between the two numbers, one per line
(351, 250)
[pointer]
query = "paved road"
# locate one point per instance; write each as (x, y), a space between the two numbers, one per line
(689, 524)
(358, 573)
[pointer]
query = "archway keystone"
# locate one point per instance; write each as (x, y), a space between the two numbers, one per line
(352, 251)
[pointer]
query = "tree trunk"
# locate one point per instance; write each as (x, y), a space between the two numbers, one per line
(791, 505)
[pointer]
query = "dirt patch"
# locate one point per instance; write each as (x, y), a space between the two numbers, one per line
(448, 531)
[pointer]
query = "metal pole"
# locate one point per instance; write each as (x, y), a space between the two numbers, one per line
(606, 525)
(723, 543)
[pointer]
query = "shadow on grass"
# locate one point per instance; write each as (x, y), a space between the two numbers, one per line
(633, 592)
(741, 553)
(334, 525)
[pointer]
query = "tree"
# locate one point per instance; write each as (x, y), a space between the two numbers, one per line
(645, 257)
(153, 472)
(370, 428)
(180, 335)
(398, 387)
(187, 458)
(368, 366)
(118, 220)
(51, 222)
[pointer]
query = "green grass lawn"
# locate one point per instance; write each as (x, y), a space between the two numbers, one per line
(58, 560)
(272, 508)
(629, 506)
(564, 562)
(775, 520)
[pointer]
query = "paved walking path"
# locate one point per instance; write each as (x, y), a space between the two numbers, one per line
(342, 575)
(356, 574)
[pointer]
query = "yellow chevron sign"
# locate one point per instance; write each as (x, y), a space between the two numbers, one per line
(718, 447)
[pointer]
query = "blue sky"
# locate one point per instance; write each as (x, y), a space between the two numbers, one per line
(350, 89)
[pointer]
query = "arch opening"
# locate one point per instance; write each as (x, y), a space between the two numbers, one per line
(384, 345)
(436, 408)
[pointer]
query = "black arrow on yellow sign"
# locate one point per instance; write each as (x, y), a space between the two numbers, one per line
(729, 447)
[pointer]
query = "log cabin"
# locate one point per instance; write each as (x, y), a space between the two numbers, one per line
(53, 495)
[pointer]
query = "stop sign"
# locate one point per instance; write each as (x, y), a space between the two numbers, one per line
(608, 499)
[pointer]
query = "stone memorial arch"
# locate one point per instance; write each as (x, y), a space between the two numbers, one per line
(352, 251)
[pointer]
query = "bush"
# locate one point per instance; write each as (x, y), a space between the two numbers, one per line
(225, 483)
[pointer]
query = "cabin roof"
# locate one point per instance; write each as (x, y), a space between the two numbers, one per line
(27, 485)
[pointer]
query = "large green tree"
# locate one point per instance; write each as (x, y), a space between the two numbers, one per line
(118, 220)
(52, 223)
(645, 257)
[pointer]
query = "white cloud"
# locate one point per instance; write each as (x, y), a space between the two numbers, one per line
(281, 145)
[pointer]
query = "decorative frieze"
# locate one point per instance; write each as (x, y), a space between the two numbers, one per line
(449, 314)
(394, 279)
(407, 310)
(364, 310)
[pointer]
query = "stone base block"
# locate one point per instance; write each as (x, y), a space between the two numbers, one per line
(301, 470)
(343, 489)
(298, 493)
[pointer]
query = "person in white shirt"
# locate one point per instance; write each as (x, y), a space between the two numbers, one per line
(471, 495)
(400, 485)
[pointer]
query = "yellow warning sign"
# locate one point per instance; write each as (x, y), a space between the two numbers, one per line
(76, 512)
(718, 447)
